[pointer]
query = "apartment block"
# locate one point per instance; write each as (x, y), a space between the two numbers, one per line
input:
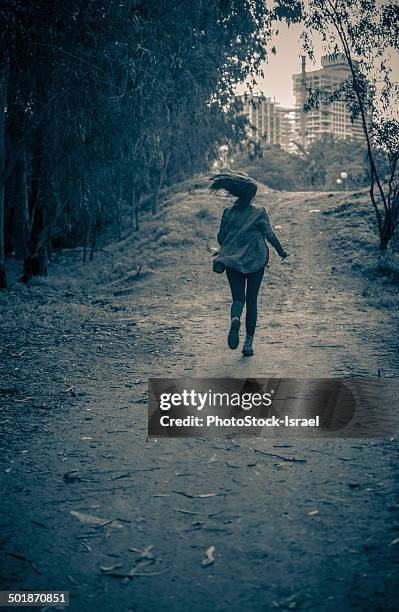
(270, 124)
(332, 118)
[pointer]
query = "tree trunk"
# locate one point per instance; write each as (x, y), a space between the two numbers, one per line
(388, 229)
(119, 210)
(16, 211)
(3, 102)
(95, 229)
(24, 202)
(137, 212)
(160, 182)
(85, 237)
(36, 261)
(132, 204)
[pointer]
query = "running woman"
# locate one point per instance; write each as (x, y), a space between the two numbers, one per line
(244, 254)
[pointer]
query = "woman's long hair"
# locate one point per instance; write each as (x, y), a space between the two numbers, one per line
(238, 185)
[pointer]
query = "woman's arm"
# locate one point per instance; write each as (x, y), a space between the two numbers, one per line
(270, 236)
(223, 227)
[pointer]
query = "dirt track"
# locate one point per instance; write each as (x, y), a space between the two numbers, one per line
(80, 445)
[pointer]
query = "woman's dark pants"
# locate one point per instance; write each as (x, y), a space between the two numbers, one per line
(244, 290)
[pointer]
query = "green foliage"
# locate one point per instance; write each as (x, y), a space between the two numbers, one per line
(319, 170)
(366, 31)
(289, 10)
(108, 101)
(328, 158)
(275, 168)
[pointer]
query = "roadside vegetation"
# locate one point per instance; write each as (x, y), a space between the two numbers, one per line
(105, 106)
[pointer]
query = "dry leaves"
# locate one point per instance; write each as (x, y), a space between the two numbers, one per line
(146, 553)
(200, 495)
(89, 519)
(210, 558)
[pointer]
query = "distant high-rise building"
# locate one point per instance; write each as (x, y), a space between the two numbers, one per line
(333, 118)
(287, 129)
(270, 124)
(264, 119)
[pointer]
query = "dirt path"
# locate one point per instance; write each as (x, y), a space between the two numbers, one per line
(287, 535)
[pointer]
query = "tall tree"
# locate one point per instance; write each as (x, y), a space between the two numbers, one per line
(114, 99)
(365, 31)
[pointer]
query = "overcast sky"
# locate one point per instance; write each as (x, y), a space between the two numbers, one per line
(280, 67)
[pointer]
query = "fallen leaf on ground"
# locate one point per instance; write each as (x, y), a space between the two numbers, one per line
(209, 559)
(395, 541)
(148, 574)
(121, 476)
(294, 459)
(135, 571)
(36, 522)
(313, 512)
(145, 553)
(89, 519)
(110, 568)
(212, 459)
(200, 495)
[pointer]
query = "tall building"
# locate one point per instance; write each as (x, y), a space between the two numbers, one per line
(333, 118)
(270, 124)
(287, 129)
(264, 119)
